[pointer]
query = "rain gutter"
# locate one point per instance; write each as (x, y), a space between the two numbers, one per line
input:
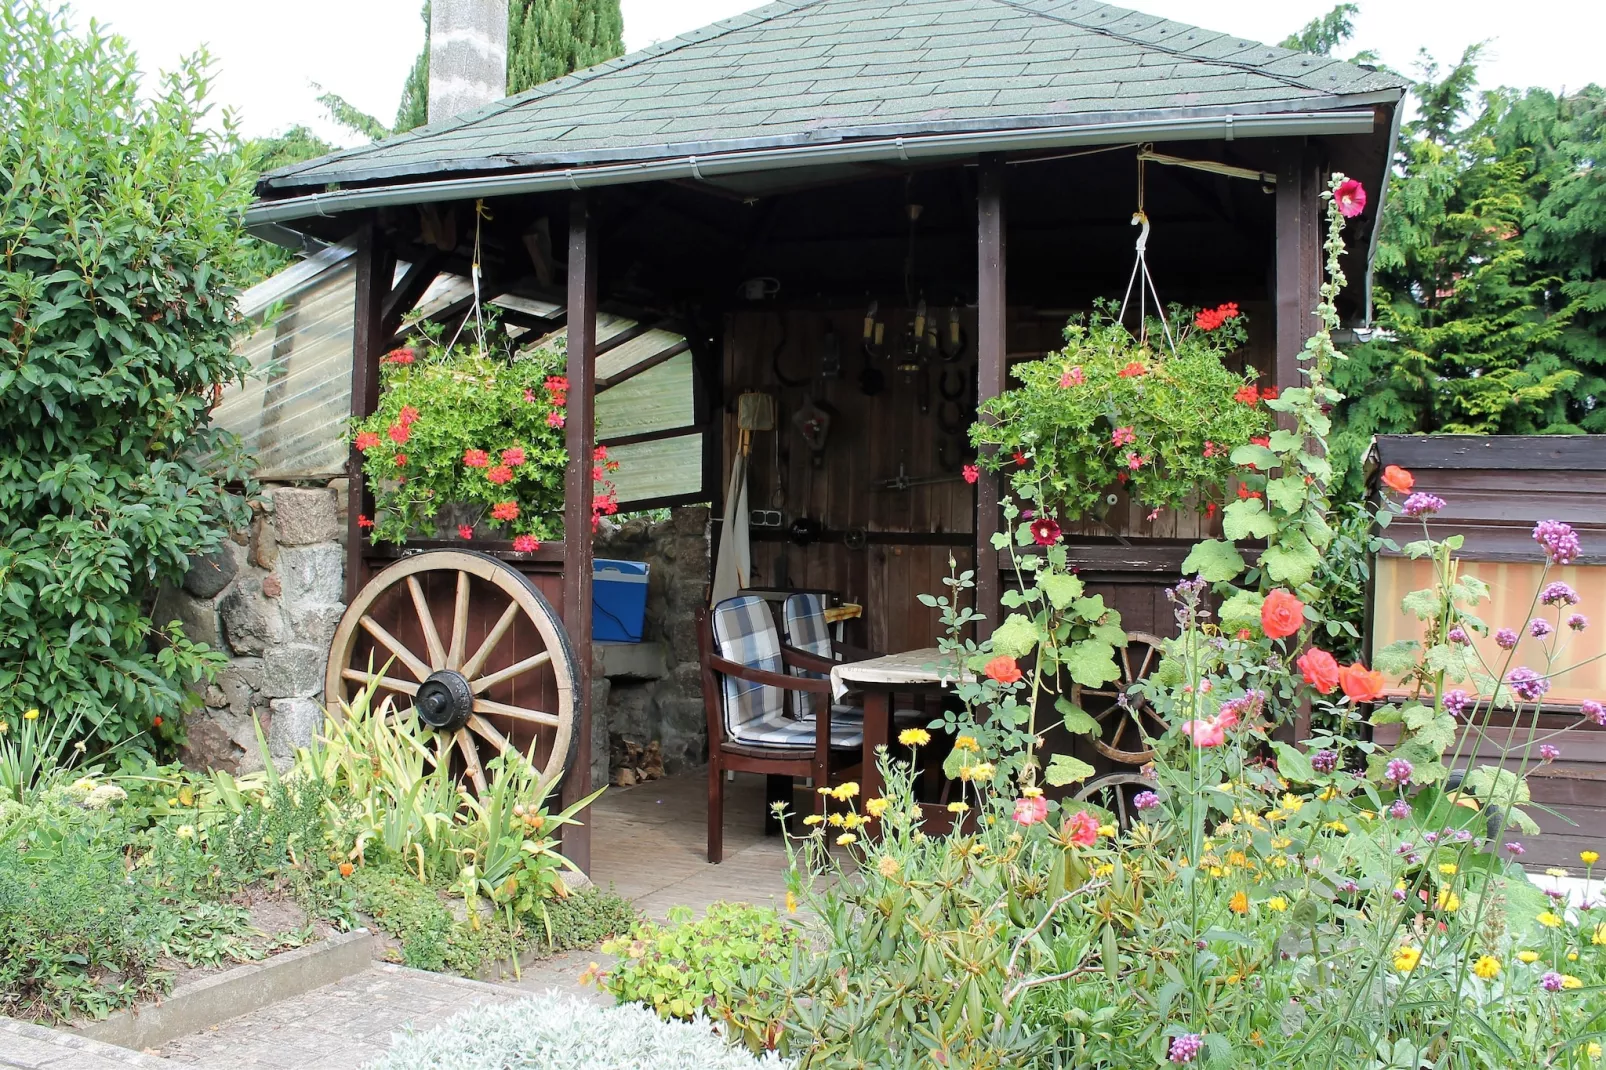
(879, 150)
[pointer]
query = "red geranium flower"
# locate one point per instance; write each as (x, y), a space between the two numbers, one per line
(505, 510)
(1020, 458)
(401, 460)
(1261, 440)
(1123, 436)
(1133, 369)
(399, 433)
(1071, 377)
(476, 458)
(1268, 393)
(1045, 532)
(367, 440)
(554, 419)
(513, 457)
(398, 356)
(600, 453)
(1350, 196)
(971, 473)
(364, 522)
(407, 416)
(529, 395)
(1135, 461)
(1246, 395)
(1081, 828)
(500, 474)
(525, 544)
(465, 531)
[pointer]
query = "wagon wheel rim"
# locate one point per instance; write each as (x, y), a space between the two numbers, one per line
(444, 676)
(1120, 786)
(1122, 730)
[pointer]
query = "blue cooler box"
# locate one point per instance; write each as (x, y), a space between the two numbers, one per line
(618, 600)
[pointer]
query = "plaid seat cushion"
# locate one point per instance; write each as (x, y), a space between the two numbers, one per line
(781, 731)
(854, 715)
(744, 631)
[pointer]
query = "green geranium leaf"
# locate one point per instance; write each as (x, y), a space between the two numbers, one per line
(1214, 561)
(1247, 519)
(1091, 663)
(1064, 769)
(1016, 637)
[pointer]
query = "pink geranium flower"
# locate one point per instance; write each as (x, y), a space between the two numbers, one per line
(971, 473)
(526, 544)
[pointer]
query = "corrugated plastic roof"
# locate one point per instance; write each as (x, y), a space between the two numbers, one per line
(818, 71)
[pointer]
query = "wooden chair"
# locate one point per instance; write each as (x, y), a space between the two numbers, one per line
(745, 685)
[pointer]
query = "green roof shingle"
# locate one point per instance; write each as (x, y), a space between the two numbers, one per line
(807, 71)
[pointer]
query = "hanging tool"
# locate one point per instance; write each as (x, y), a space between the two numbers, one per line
(903, 481)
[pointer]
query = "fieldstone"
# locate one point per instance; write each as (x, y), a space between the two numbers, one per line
(293, 670)
(239, 682)
(209, 744)
(272, 586)
(295, 721)
(313, 574)
(210, 573)
(251, 622)
(199, 619)
(304, 516)
(264, 544)
(314, 623)
(691, 520)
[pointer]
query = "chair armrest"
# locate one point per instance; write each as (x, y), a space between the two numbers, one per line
(802, 659)
(773, 679)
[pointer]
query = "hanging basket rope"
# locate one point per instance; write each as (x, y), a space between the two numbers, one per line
(1145, 288)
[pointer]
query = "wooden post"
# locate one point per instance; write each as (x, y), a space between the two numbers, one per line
(991, 366)
(577, 496)
(374, 268)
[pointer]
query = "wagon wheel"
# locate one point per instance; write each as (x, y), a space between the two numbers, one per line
(1132, 720)
(447, 676)
(1115, 792)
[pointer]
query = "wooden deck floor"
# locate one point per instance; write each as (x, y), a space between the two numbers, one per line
(650, 842)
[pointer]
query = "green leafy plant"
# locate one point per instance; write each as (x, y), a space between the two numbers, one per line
(686, 966)
(120, 245)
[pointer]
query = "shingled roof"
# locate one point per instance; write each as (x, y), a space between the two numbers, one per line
(807, 72)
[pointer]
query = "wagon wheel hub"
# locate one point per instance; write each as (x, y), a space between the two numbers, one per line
(445, 701)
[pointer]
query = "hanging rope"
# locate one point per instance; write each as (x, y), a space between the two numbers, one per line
(480, 213)
(1141, 266)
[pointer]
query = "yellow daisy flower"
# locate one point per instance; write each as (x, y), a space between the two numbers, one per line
(1548, 920)
(876, 807)
(1487, 967)
(1406, 958)
(1589, 858)
(1528, 958)
(914, 737)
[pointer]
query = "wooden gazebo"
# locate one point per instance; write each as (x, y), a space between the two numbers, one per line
(778, 186)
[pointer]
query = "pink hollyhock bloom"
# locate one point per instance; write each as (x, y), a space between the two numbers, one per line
(1212, 731)
(1031, 811)
(1081, 828)
(1350, 196)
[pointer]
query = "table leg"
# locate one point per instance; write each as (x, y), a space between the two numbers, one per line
(877, 732)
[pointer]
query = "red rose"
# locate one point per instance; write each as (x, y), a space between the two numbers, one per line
(1320, 669)
(1003, 669)
(1281, 614)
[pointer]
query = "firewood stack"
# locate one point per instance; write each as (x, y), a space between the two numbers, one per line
(633, 763)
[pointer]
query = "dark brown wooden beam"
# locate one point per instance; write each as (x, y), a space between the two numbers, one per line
(1296, 209)
(991, 366)
(407, 292)
(653, 436)
(375, 265)
(577, 498)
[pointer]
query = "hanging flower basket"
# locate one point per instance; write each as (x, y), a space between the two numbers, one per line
(1111, 410)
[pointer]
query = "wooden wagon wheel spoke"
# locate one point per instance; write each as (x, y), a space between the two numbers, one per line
(426, 621)
(473, 665)
(393, 617)
(394, 645)
(1148, 659)
(1118, 710)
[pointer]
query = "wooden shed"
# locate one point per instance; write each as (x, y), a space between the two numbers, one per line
(766, 186)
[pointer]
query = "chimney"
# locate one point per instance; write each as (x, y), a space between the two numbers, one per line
(467, 55)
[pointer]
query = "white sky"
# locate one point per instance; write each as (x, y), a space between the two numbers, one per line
(270, 54)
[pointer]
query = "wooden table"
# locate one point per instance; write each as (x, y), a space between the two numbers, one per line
(924, 671)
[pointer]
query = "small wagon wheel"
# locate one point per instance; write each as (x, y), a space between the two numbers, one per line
(470, 681)
(1120, 715)
(1114, 792)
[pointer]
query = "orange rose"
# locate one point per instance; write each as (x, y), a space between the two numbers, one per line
(1281, 614)
(1398, 479)
(1003, 669)
(1359, 683)
(346, 869)
(1320, 669)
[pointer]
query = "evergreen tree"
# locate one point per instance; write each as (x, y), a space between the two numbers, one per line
(414, 108)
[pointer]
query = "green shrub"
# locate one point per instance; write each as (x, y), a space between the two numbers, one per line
(413, 913)
(121, 230)
(685, 967)
(586, 919)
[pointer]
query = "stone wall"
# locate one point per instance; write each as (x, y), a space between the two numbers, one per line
(270, 599)
(668, 708)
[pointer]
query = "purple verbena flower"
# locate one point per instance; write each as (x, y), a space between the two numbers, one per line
(1594, 711)
(1556, 893)
(1145, 800)
(1413, 859)
(1400, 809)
(1463, 835)
(1529, 685)
(1505, 638)
(1516, 848)
(1559, 540)
(1399, 895)
(1430, 837)
(1324, 761)
(1551, 981)
(1549, 752)
(1539, 627)
(1420, 504)
(1186, 1048)
(1349, 886)
(1457, 634)
(1558, 593)
(1577, 622)
(1456, 702)
(1398, 772)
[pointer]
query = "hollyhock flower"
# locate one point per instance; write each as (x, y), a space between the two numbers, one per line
(971, 473)
(1281, 614)
(1549, 752)
(505, 510)
(465, 531)
(1211, 731)
(367, 440)
(1456, 702)
(1030, 810)
(500, 474)
(1081, 828)
(513, 457)
(1359, 683)
(1045, 532)
(1072, 377)
(1320, 669)
(1324, 761)
(399, 433)
(1123, 436)
(1398, 479)
(525, 544)
(1505, 638)
(1559, 540)
(1577, 622)
(1558, 594)
(1003, 670)
(1528, 685)
(1398, 772)
(1539, 627)
(476, 458)
(1246, 395)
(364, 522)
(1186, 1048)
(554, 419)
(1350, 196)
(1145, 800)
(1420, 504)
(1594, 711)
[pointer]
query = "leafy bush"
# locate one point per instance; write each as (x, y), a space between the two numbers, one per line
(412, 912)
(685, 967)
(121, 225)
(558, 1030)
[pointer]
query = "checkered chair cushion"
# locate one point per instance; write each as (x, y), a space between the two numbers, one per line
(744, 631)
(804, 615)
